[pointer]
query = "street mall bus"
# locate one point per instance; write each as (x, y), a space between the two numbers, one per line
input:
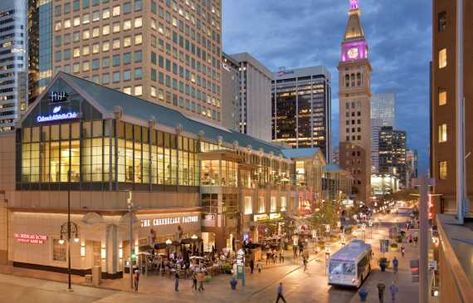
(350, 265)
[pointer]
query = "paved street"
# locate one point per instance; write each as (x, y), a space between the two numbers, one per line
(299, 286)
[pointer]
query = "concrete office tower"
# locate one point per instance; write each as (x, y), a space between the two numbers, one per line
(354, 99)
(255, 97)
(13, 62)
(382, 114)
(168, 52)
(392, 153)
(302, 107)
(230, 93)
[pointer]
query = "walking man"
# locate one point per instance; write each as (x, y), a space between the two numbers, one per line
(176, 282)
(304, 261)
(395, 264)
(381, 286)
(136, 278)
(280, 295)
(393, 289)
(403, 250)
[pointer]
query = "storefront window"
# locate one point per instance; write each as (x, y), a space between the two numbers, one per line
(59, 251)
(261, 205)
(210, 203)
(248, 206)
(274, 205)
(87, 150)
(210, 172)
(283, 204)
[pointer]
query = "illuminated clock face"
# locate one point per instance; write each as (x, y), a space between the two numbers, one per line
(352, 53)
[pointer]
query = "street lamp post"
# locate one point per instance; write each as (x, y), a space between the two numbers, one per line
(327, 258)
(67, 229)
(130, 214)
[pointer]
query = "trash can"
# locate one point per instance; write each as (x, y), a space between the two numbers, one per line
(363, 293)
(96, 275)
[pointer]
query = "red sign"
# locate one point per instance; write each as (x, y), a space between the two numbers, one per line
(29, 238)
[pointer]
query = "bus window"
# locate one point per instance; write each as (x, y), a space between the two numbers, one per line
(349, 269)
(346, 268)
(336, 268)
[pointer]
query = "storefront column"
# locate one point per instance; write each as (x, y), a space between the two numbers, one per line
(112, 250)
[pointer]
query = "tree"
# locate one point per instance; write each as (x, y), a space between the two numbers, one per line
(325, 214)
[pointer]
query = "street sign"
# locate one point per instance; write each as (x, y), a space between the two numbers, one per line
(384, 245)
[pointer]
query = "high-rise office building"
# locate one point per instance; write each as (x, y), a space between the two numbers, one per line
(451, 165)
(230, 93)
(411, 166)
(33, 49)
(354, 99)
(301, 108)
(168, 52)
(392, 153)
(254, 97)
(382, 114)
(13, 62)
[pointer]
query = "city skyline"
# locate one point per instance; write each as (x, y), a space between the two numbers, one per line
(294, 43)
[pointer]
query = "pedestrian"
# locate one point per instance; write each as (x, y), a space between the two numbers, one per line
(403, 250)
(136, 278)
(200, 279)
(395, 264)
(280, 294)
(393, 289)
(415, 240)
(233, 283)
(381, 286)
(252, 265)
(176, 282)
(281, 257)
(259, 267)
(194, 280)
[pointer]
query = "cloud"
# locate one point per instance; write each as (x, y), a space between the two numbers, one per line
(309, 32)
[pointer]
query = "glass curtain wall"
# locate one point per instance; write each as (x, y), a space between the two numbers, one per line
(87, 149)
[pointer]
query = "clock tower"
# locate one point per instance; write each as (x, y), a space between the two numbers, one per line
(354, 99)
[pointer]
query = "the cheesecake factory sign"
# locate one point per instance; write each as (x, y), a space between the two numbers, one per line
(169, 221)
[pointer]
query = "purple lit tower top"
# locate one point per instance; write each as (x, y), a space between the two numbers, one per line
(354, 4)
(354, 46)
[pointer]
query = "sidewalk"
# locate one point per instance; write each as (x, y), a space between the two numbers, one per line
(154, 284)
(408, 290)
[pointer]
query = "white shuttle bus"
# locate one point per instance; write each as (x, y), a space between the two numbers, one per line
(350, 265)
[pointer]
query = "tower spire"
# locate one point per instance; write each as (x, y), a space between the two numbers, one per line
(354, 4)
